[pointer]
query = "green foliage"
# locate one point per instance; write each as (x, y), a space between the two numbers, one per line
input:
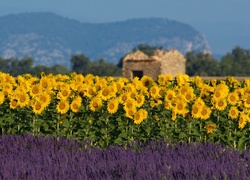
(81, 64)
(147, 49)
(235, 63)
(201, 64)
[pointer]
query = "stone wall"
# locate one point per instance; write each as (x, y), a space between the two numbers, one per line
(161, 62)
(148, 67)
(173, 63)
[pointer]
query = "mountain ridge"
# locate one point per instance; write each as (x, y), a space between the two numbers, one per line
(52, 39)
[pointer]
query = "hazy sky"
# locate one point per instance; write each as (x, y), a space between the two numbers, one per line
(225, 23)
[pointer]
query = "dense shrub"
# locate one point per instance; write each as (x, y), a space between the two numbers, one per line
(30, 157)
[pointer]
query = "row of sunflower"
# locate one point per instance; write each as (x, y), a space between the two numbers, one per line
(105, 110)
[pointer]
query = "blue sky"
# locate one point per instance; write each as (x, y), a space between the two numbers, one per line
(225, 23)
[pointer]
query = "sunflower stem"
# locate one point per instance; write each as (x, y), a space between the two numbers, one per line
(58, 126)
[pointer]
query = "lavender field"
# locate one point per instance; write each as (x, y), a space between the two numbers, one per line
(30, 157)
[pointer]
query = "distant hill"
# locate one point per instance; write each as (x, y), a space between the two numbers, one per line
(49, 38)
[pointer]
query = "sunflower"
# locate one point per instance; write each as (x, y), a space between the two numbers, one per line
(90, 92)
(38, 107)
(44, 98)
(189, 96)
(147, 81)
(2, 97)
(180, 107)
(35, 90)
(140, 99)
(13, 103)
(130, 112)
(220, 104)
(205, 112)
(119, 85)
(23, 99)
(113, 105)
(196, 110)
(130, 87)
(139, 116)
(248, 116)
(232, 98)
(76, 104)
(210, 128)
(170, 95)
(174, 115)
(184, 89)
(161, 79)
(62, 107)
(221, 91)
(123, 97)
(105, 93)
(154, 91)
(64, 93)
(45, 82)
(242, 120)
(233, 112)
(164, 79)
(79, 78)
(130, 103)
(95, 104)
(247, 101)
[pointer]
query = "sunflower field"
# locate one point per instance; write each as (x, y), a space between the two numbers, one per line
(107, 110)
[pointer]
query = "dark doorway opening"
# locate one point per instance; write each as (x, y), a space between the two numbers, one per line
(138, 74)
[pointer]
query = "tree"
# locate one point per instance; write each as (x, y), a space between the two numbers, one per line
(236, 63)
(19, 67)
(102, 68)
(147, 49)
(4, 65)
(201, 64)
(79, 63)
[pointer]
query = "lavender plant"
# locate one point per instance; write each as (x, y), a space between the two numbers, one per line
(30, 157)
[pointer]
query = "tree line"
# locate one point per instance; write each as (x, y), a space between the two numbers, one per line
(79, 64)
(234, 63)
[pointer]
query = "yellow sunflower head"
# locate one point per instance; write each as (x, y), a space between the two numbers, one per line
(220, 104)
(196, 111)
(113, 105)
(35, 90)
(13, 103)
(140, 99)
(154, 91)
(247, 101)
(242, 120)
(130, 112)
(232, 98)
(45, 82)
(76, 104)
(139, 116)
(124, 97)
(147, 81)
(37, 107)
(233, 112)
(95, 104)
(210, 128)
(2, 97)
(205, 112)
(23, 99)
(180, 107)
(64, 93)
(62, 107)
(170, 94)
(105, 93)
(44, 98)
(130, 103)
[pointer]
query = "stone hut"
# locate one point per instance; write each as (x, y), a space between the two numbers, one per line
(161, 62)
